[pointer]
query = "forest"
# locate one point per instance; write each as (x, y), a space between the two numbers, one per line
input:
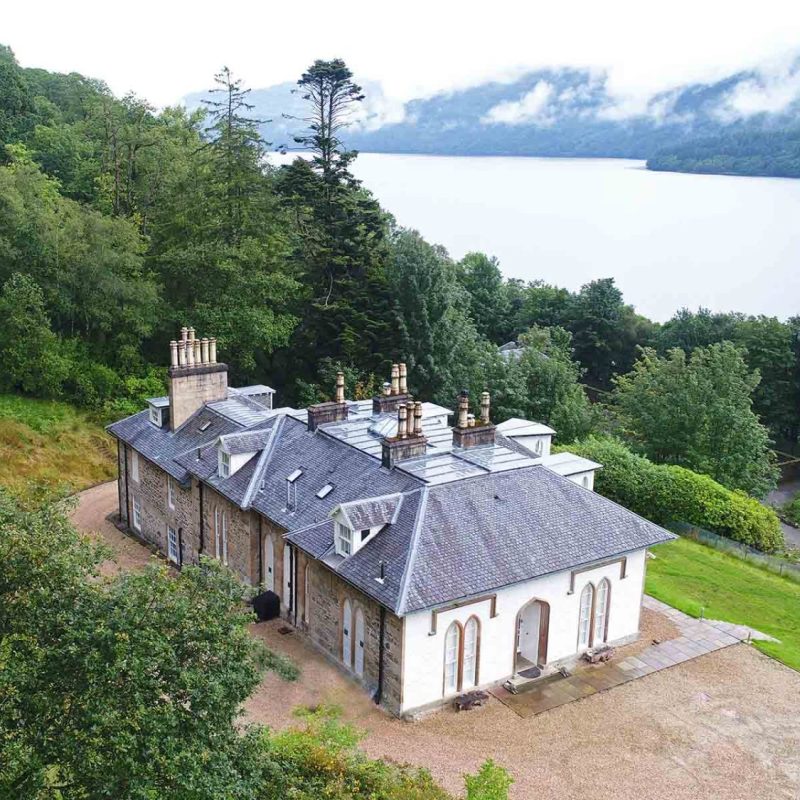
(772, 153)
(118, 225)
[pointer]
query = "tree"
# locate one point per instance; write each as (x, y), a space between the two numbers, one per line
(696, 411)
(689, 329)
(333, 97)
(605, 331)
(543, 385)
(489, 301)
(29, 351)
(16, 101)
(128, 687)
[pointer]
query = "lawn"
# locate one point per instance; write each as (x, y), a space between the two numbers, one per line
(48, 446)
(691, 576)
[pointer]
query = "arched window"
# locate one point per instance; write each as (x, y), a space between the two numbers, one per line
(347, 634)
(452, 645)
(585, 481)
(469, 666)
(270, 565)
(359, 642)
(585, 618)
(600, 633)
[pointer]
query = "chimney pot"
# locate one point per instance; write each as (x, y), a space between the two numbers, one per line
(387, 389)
(197, 357)
(403, 378)
(463, 409)
(418, 418)
(191, 334)
(212, 350)
(184, 333)
(173, 353)
(182, 353)
(189, 353)
(340, 387)
(402, 416)
(204, 350)
(470, 420)
(395, 379)
(485, 402)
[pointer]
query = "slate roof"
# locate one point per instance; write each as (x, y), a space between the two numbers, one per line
(485, 519)
(474, 536)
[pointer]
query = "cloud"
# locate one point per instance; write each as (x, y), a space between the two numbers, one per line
(529, 107)
(764, 93)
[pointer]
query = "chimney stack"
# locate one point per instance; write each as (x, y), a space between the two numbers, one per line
(336, 411)
(195, 378)
(394, 394)
(409, 441)
(468, 432)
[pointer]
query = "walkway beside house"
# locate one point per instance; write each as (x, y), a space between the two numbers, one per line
(697, 638)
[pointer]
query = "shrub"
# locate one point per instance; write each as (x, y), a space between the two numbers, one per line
(668, 493)
(792, 510)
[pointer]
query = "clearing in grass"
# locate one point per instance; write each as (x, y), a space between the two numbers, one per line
(695, 578)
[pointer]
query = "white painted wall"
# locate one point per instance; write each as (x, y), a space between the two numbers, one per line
(423, 654)
(531, 443)
(585, 479)
(239, 460)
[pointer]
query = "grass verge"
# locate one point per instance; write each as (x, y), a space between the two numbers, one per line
(693, 577)
(50, 447)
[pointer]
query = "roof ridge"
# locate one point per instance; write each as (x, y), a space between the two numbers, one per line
(402, 595)
(263, 461)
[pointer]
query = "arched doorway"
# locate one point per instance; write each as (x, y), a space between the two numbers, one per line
(533, 627)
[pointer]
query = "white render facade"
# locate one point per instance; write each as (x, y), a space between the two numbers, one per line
(508, 634)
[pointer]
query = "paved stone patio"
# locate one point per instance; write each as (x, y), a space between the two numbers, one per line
(697, 637)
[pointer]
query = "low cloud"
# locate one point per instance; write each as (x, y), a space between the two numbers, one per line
(762, 94)
(531, 107)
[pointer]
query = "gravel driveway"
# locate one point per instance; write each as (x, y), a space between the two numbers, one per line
(726, 725)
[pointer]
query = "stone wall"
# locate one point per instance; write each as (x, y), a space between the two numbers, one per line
(156, 514)
(325, 603)
(242, 525)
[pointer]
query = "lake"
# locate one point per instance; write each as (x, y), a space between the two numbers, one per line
(669, 240)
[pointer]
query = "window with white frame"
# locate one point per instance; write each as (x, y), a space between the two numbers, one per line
(135, 465)
(137, 513)
(224, 538)
(224, 464)
(343, 540)
(585, 617)
(469, 667)
(221, 535)
(155, 416)
(170, 492)
(172, 545)
(601, 612)
(451, 647)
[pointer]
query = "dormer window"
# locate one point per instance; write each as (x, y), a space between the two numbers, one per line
(343, 543)
(224, 464)
(155, 416)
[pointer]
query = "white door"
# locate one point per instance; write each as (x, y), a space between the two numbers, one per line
(287, 575)
(269, 558)
(347, 634)
(528, 644)
(359, 642)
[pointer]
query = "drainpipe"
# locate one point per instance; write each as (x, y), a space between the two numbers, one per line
(381, 637)
(180, 548)
(260, 554)
(294, 583)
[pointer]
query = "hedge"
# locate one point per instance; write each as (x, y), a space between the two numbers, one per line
(665, 493)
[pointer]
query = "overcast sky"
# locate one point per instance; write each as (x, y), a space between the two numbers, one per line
(164, 50)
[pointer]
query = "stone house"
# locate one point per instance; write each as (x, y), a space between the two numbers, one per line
(425, 559)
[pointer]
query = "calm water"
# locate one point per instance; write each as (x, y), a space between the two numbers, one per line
(670, 240)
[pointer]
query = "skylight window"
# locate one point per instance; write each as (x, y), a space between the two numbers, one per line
(325, 491)
(294, 476)
(205, 426)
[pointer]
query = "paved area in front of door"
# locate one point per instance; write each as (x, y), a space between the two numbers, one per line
(697, 637)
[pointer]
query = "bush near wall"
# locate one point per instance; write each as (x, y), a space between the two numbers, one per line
(666, 493)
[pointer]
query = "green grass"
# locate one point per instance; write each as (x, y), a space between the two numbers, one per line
(691, 576)
(47, 446)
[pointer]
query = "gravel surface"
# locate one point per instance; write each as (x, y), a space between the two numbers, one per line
(90, 516)
(725, 725)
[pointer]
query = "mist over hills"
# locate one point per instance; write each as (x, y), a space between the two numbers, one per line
(745, 117)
